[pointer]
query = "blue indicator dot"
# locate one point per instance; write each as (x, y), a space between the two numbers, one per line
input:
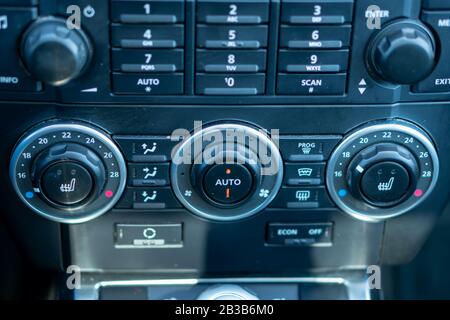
(342, 193)
(29, 194)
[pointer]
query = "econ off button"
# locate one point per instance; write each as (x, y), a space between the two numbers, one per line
(227, 183)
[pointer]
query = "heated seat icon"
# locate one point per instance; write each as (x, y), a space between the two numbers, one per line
(68, 187)
(386, 186)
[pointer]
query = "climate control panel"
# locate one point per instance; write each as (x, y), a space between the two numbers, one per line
(73, 172)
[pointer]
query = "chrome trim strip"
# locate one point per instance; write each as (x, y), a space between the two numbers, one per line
(355, 282)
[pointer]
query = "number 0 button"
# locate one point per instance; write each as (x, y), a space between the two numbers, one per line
(230, 84)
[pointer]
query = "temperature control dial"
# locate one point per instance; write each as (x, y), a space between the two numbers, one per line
(227, 172)
(68, 173)
(382, 170)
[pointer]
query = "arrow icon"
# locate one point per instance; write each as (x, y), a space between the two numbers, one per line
(362, 86)
(90, 90)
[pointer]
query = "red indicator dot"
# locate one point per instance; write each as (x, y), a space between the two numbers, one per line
(109, 193)
(228, 171)
(418, 193)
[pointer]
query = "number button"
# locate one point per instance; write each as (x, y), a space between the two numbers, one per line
(239, 61)
(151, 11)
(230, 12)
(314, 37)
(226, 84)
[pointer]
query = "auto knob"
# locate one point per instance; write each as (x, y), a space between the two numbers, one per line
(53, 53)
(233, 176)
(402, 52)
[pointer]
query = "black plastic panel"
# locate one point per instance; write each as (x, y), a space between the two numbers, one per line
(264, 94)
(101, 84)
(242, 244)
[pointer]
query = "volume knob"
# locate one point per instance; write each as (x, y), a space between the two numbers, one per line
(53, 53)
(402, 53)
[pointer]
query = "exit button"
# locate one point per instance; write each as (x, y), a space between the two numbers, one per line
(299, 234)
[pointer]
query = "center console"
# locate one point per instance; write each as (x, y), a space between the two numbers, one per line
(247, 143)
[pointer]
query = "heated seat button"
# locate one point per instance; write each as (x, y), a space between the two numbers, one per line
(385, 182)
(310, 37)
(227, 183)
(66, 183)
(232, 12)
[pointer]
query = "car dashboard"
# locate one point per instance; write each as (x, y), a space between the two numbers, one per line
(215, 149)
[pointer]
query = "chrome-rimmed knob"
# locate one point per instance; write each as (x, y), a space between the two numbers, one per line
(68, 172)
(391, 156)
(232, 145)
